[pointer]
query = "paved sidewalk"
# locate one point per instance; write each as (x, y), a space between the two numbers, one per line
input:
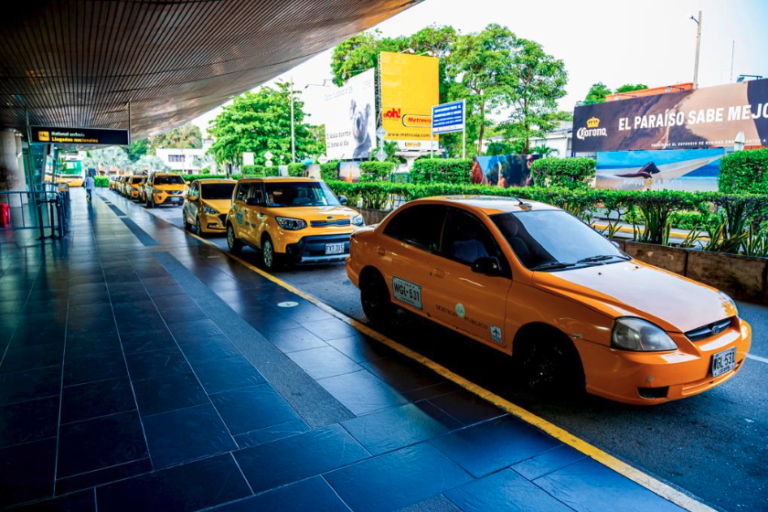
(144, 370)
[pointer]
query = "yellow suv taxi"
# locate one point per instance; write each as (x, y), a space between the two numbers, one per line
(165, 188)
(206, 205)
(291, 220)
(536, 283)
(133, 186)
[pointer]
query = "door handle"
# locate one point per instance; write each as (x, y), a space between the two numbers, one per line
(436, 272)
(380, 251)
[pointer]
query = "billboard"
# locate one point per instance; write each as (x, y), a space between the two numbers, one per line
(701, 118)
(674, 169)
(351, 132)
(503, 170)
(448, 117)
(409, 89)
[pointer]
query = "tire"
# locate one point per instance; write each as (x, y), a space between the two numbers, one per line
(549, 365)
(234, 244)
(270, 259)
(151, 202)
(199, 228)
(187, 226)
(375, 299)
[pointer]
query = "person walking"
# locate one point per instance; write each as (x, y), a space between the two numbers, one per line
(90, 184)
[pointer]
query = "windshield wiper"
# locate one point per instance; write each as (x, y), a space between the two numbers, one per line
(553, 265)
(601, 257)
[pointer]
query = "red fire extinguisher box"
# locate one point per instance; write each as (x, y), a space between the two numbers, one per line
(5, 216)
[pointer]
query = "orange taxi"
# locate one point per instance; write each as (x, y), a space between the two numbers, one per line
(535, 282)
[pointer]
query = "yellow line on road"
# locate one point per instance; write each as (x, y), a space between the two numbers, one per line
(673, 234)
(653, 484)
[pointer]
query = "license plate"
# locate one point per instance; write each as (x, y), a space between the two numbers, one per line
(407, 292)
(334, 249)
(724, 362)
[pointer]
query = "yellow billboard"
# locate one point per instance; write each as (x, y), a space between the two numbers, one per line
(409, 89)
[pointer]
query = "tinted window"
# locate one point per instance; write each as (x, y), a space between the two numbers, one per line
(217, 190)
(299, 193)
(418, 225)
(169, 180)
(242, 191)
(136, 181)
(551, 237)
(465, 239)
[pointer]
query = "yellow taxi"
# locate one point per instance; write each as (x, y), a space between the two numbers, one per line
(536, 283)
(133, 186)
(120, 187)
(164, 188)
(113, 181)
(291, 220)
(71, 180)
(206, 205)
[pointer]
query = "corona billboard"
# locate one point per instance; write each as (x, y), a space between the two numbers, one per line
(409, 89)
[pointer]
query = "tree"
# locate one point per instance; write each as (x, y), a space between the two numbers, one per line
(316, 144)
(597, 93)
(108, 159)
(150, 163)
(544, 150)
(137, 149)
(187, 136)
(259, 122)
(630, 87)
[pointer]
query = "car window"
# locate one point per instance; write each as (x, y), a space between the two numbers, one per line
(242, 191)
(466, 239)
(136, 181)
(418, 225)
(169, 180)
(257, 193)
(553, 238)
(217, 190)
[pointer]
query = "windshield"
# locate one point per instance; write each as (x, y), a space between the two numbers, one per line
(217, 191)
(169, 180)
(300, 193)
(137, 180)
(554, 239)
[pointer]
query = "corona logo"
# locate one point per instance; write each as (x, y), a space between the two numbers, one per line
(592, 130)
(393, 113)
(593, 123)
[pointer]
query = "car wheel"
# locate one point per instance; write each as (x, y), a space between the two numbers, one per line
(269, 258)
(374, 296)
(550, 365)
(234, 244)
(199, 228)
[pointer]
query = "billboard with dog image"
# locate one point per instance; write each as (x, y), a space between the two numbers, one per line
(350, 134)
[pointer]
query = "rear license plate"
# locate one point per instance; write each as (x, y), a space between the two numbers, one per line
(407, 292)
(334, 249)
(724, 362)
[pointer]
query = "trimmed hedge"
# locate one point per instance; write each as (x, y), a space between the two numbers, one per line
(442, 170)
(329, 171)
(296, 170)
(563, 172)
(376, 171)
(101, 181)
(744, 172)
(260, 170)
(738, 224)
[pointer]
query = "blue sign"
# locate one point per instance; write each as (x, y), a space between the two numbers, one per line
(448, 118)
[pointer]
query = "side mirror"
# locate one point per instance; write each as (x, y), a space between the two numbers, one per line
(488, 266)
(343, 200)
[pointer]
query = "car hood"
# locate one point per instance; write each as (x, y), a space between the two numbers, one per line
(220, 205)
(170, 187)
(315, 212)
(632, 288)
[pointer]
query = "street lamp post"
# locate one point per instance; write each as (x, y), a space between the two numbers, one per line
(293, 131)
(698, 50)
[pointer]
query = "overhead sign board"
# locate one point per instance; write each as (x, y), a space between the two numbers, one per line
(448, 117)
(702, 118)
(80, 136)
(409, 89)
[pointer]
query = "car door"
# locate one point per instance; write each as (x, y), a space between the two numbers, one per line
(473, 302)
(191, 205)
(405, 249)
(258, 211)
(239, 215)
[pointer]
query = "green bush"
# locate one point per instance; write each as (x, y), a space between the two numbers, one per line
(296, 170)
(254, 170)
(744, 172)
(442, 170)
(329, 171)
(563, 172)
(376, 171)
(101, 181)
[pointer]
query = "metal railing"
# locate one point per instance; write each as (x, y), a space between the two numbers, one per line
(45, 209)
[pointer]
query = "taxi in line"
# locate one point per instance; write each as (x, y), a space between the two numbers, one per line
(206, 205)
(290, 220)
(536, 283)
(164, 188)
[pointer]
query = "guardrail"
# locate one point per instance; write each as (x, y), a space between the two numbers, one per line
(45, 209)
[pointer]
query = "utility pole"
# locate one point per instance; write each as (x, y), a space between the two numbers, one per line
(293, 132)
(698, 50)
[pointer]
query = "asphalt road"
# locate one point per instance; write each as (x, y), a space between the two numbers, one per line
(714, 445)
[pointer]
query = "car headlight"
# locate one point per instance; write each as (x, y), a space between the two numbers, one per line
(291, 224)
(730, 301)
(640, 335)
(357, 220)
(209, 211)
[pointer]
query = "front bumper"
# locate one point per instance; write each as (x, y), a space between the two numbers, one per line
(621, 376)
(165, 198)
(213, 223)
(311, 249)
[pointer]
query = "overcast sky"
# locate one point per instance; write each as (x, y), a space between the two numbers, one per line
(610, 41)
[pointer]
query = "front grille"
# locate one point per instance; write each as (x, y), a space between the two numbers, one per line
(702, 333)
(652, 393)
(326, 223)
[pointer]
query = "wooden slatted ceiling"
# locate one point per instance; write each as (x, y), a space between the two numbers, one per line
(79, 62)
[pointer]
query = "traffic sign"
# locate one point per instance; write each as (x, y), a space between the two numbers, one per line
(448, 117)
(268, 155)
(268, 163)
(381, 133)
(381, 155)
